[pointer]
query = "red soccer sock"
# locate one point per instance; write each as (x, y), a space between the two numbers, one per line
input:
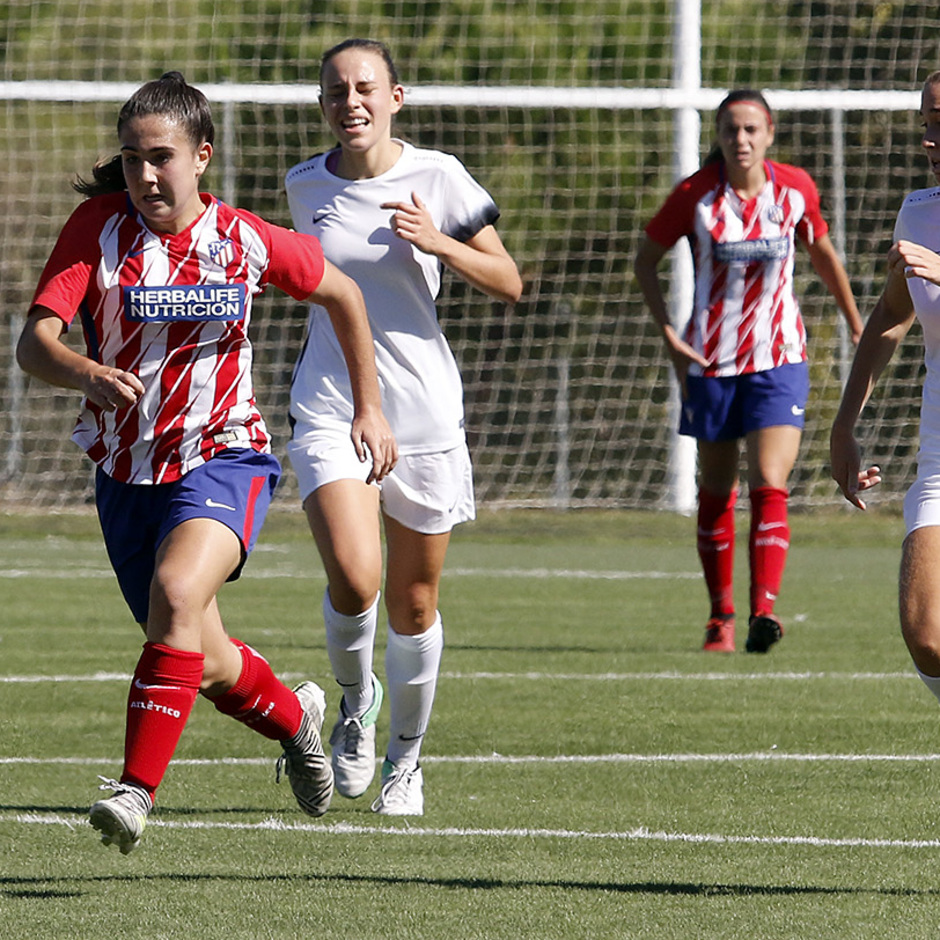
(165, 684)
(769, 544)
(716, 547)
(259, 699)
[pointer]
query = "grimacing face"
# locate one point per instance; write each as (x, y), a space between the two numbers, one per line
(358, 98)
(162, 170)
(930, 121)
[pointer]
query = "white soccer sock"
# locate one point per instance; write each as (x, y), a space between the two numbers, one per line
(412, 664)
(932, 682)
(350, 639)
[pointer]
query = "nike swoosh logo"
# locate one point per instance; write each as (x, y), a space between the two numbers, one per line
(764, 526)
(147, 688)
(212, 504)
(413, 737)
(796, 410)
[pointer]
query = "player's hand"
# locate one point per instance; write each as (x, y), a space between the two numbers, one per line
(909, 259)
(412, 221)
(111, 389)
(845, 461)
(371, 435)
(682, 356)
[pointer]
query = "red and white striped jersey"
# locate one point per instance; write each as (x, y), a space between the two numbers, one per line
(174, 310)
(746, 317)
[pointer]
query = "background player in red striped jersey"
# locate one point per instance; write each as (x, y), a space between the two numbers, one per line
(163, 278)
(741, 358)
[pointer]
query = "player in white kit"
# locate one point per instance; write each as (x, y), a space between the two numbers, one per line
(912, 291)
(389, 215)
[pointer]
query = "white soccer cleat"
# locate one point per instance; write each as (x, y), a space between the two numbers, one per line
(303, 761)
(402, 791)
(353, 747)
(121, 818)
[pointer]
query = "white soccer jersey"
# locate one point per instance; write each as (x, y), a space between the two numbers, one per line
(745, 316)
(917, 222)
(174, 310)
(422, 393)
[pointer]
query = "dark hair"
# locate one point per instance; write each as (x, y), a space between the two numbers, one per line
(736, 97)
(368, 45)
(169, 95)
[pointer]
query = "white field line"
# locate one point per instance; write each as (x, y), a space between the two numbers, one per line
(287, 571)
(546, 677)
(771, 756)
(640, 834)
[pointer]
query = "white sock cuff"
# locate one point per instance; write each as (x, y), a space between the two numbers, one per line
(431, 639)
(349, 626)
(414, 659)
(932, 682)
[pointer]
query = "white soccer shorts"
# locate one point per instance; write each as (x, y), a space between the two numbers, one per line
(427, 493)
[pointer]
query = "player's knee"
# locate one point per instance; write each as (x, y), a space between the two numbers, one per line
(413, 609)
(353, 595)
(177, 598)
(922, 637)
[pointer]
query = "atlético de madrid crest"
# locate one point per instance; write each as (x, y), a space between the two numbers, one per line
(222, 252)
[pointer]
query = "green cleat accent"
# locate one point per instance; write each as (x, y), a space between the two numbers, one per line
(353, 747)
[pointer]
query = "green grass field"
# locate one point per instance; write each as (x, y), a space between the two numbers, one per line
(589, 772)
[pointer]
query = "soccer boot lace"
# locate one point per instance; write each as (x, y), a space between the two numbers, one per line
(303, 761)
(402, 791)
(352, 744)
(763, 631)
(122, 817)
(719, 634)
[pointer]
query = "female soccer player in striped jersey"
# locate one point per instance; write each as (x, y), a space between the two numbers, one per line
(389, 214)
(741, 358)
(912, 290)
(163, 278)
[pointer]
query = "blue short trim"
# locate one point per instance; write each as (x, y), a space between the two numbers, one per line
(730, 407)
(234, 487)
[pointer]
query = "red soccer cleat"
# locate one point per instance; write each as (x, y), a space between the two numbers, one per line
(719, 634)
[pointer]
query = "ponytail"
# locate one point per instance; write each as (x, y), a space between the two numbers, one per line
(107, 177)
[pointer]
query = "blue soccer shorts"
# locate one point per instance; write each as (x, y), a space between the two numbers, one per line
(234, 487)
(726, 408)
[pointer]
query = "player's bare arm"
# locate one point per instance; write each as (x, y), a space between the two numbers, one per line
(648, 256)
(888, 325)
(481, 260)
(829, 267)
(340, 296)
(41, 352)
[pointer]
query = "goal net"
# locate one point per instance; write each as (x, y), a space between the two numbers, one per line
(566, 113)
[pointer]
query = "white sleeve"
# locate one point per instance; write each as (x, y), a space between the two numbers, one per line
(468, 207)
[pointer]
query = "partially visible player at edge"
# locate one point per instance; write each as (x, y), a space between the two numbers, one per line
(163, 279)
(389, 214)
(741, 358)
(912, 289)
